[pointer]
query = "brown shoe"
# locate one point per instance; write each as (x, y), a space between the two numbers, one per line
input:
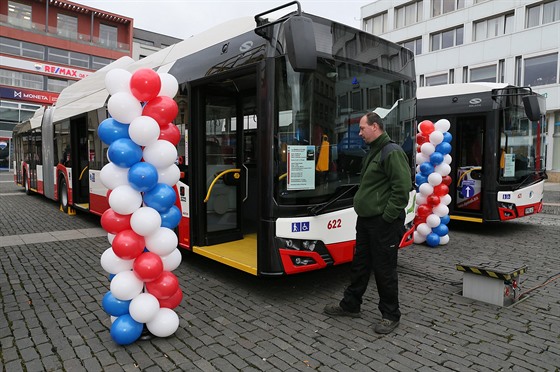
(386, 326)
(336, 310)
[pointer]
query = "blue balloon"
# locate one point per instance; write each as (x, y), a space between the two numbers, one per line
(111, 276)
(142, 176)
(113, 306)
(111, 130)
(436, 158)
(445, 219)
(171, 218)
(447, 137)
(444, 148)
(124, 153)
(441, 229)
(432, 239)
(126, 330)
(420, 179)
(161, 197)
(426, 168)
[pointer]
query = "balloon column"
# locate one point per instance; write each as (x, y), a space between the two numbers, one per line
(433, 180)
(140, 177)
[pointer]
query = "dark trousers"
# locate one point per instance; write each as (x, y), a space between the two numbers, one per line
(377, 244)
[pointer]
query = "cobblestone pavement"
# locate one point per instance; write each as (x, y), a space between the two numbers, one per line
(52, 283)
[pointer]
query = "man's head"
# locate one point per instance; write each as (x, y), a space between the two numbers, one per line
(371, 127)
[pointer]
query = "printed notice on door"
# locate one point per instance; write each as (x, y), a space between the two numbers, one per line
(301, 167)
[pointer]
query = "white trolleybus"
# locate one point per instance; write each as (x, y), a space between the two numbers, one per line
(498, 147)
(269, 154)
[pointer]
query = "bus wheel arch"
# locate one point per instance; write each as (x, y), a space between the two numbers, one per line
(63, 194)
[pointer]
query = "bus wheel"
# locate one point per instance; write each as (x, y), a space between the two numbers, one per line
(26, 186)
(63, 195)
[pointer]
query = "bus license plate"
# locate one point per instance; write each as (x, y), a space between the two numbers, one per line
(529, 210)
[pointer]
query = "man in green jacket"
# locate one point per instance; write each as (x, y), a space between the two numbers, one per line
(379, 202)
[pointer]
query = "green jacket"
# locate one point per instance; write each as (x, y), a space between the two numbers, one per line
(384, 188)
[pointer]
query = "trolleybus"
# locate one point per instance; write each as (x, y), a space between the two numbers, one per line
(269, 151)
(498, 147)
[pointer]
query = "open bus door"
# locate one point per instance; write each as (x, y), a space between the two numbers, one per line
(223, 170)
(80, 162)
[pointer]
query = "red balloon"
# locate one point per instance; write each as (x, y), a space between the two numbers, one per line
(173, 301)
(148, 266)
(162, 109)
(171, 133)
(441, 189)
(446, 180)
(433, 199)
(427, 127)
(419, 219)
(164, 286)
(145, 84)
(421, 138)
(128, 245)
(108, 193)
(424, 210)
(113, 222)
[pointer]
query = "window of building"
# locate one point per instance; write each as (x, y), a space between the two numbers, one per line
(446, 39)
(57, 85)
(436, 80)
(67, 26)
(22, 48)
(440, 7)
(541, 70)
(67, 57)
(414, 45)
(99, 62)
(108, 35)
(19, 14)
(492, 27)
(143, 42)
(409, 14)
(377, 24)
(502, 71)
(485, 74)
(542, 13)
(21, 79)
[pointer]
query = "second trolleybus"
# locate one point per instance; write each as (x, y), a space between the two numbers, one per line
(498, 147)
(269, 153)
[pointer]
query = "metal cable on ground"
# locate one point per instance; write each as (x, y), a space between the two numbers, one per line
(550, 279)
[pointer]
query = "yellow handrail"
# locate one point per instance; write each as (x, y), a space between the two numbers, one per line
(82, 173)
(467, 172)
(216, 180)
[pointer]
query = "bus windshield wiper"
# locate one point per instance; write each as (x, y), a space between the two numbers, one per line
(320, 207)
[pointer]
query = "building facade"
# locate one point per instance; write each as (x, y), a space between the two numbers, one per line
(460, 41)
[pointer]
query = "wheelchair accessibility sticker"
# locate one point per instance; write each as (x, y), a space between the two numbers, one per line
(300, 226)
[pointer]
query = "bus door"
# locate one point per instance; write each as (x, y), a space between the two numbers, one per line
(223, 170)
(80, 162)
(469, 162)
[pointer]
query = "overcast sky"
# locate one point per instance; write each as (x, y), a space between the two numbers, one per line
(184, 18)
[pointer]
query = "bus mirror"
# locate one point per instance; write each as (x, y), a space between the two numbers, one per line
(300, 44)
(535, 107)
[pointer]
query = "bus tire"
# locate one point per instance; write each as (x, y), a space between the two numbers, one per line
(63, 195)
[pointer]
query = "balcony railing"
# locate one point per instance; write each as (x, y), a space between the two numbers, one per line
(40, 28)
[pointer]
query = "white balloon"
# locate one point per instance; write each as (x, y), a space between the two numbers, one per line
(172, 260)
(442, 125)
(419, 238)
(162, 242)
(441, 210)
(421, 199)
(125, 200)
(442, 169)
(164, 324)
(423, 229)
(126, 285)
(425, 189)
(118, 80)
(112, 176)
(443, 240)
(170, 175)
(434, 179)
(427, 149)
(445, 199)
(421, 158)
(436, 137)
(144, 307)
(111, 237)
(433, 220)
(143, 130)
(124, 107)
(169, 85)
(161, 154)
(113, 264)
(145, 221)
(447, 159)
